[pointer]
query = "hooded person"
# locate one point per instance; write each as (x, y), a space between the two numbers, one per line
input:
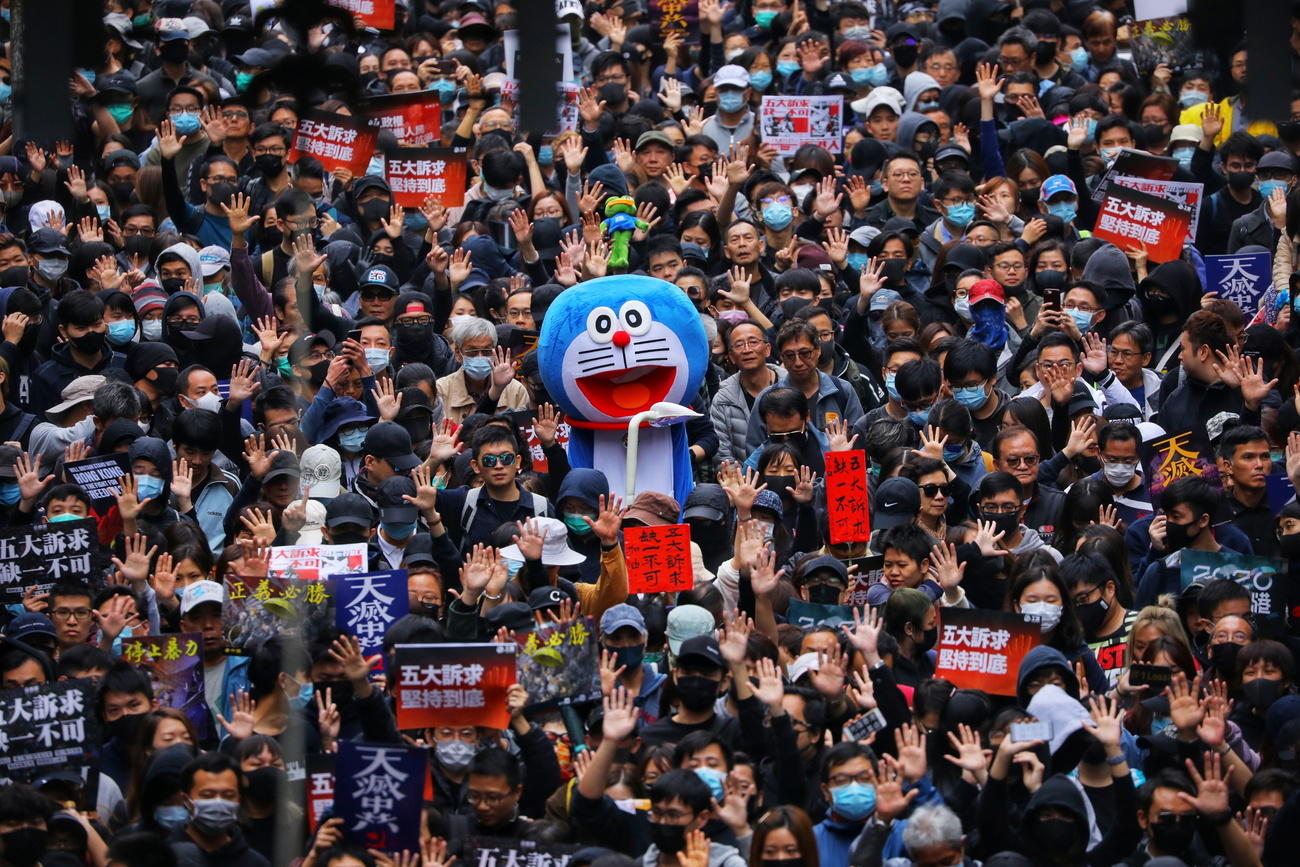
(22, 357)
(151, 465)
(1169, 294)
(162, 807)
(912, 124)
(179, 253)
(419, 342)
(988, 310)
(216, 343)
(577, 500)
(1108, 267)
(914, 86)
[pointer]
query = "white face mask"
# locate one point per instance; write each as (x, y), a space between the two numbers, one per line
(1048, 614)
(1118, 475)
(210, 401)
(801, 191)
(962, 306)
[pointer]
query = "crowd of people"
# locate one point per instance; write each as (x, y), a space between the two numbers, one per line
(278, 354)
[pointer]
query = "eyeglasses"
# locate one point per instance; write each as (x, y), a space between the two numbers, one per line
(505, 460)
(274, 150)
(1021, 460)
(612, 79)
(751, 343)
(1082, 308)
(490, 798)
(71, 613)
(1122, 354)
(999, 509)
(784, 435)
(942, 67)
(932, 490)
(419, 320)
(1056, 365)
(147, 231)
(952, 203)
(1127, 462)
(223, 179)
(183, 320)
(235, 114)
(911, 406)
(672, 817)
(1012, 267)
(798, 355)
(866, 778)
(904, 176)
(826, 335)
(380, 295)
(776, 200)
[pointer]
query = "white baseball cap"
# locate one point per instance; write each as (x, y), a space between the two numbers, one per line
(321, 469)
(731, 75)
(555, 545)
(200, 593)
(879, 96)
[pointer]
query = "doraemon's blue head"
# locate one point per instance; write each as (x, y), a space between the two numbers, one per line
(615, 346)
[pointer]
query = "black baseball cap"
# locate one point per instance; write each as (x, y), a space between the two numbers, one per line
(283, 463)
(349, 508)
(393, 508)
(898, 501)
(546, 597)
(383, 277)
(390, 441)
(701, 647)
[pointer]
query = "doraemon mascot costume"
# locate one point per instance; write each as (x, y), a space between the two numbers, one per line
(611, 348)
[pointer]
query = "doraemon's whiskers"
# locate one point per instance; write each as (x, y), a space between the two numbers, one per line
(606, 349)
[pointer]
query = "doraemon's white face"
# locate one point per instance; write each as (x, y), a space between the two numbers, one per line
(623, 363)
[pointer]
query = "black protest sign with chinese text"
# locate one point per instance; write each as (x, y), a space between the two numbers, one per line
(367, 604)
(414, 174)
(871, 570)
(47, 727)
(379, 793)
(413, 118)
(38, 555)
(337, 140)
(680, 17)
(981, 649)
(258, 608)
(848, 513)
(1130, 219)
(379, 14)
(1135, 164)
(1241, 278)
(454, 684)
(559, 663)
(1169, 459)
(658, 558)
(100, 478)
(509, 852)
(175, 665)
(1259, 575)
(320, 788)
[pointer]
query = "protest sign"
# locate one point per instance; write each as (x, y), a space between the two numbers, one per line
(379, 793)
(320, 788)
(175, 665)
(367, 604)
(658, 558)
(313, 562)
(559, 664)
(259, 607)
(524, 420)
(871, 571)
(99, 477)
(802, 613)
(1131, 218)
(1187, 194)
(790, 122)
(675, 17)
(1169, 459)
(1241, 278)
(1280, 490)
(413, 118)
(981, 649)
(1132, 163)
(1259, 575)
(847, 510)
(414, 174)
(379, 14)
(337, 140)
(510, 58)
(46, 727)
(454, 684)
(512, 852)
(38, 555)
(1147, 9)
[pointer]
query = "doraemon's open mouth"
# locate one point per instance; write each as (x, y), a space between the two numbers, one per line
(623, 393)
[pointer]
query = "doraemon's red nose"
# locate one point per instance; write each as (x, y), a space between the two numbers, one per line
(621, 339)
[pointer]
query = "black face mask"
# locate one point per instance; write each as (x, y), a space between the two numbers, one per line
(176, 51)
(1092, 615)
(429, 610)
(669, 839)
(905, 55)
(782, 862)
(25, 846)
(1055, 835)
(350, 539)
(137, 245)
(1289, 544)
(339, 691)
(1240, 181)
(1094, 754)
(270, 236)
(1002, 523)
(414, 337)
(1224, 657)
(264, 785)
(1178, 536)
(18, 275)
(779, 484)
(376, 210)
(613, 94)
(124, 728)
(697, 693)
(221, 192)
(1173, 836)
(929, 638)
(895, 270)
(270, 165)
(166, 379)
(824, 594)
(317, 373)
(89, 343)
(1260, 692)
(1044, 52)
(172, 285)
(1029, 197)
(628, 657)
(124, 192)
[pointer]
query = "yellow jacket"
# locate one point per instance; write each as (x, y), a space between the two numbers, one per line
(1257, 127)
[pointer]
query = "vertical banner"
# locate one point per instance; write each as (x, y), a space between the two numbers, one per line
(414, 174)
(790, 122)
(175, 665)
(1169, 459)
(320, 788)
(1241, 278)
(413, 118)
(681, 17)
(847, 511)
(981, 649)
(337, 140)
(558, 664)
(454, 684)
(367, 604)
(378, 793)
(658, 558)
(1130, 218)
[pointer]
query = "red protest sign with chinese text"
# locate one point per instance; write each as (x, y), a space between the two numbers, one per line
(454, 684)
(413, 118)
(416, 173)
(681, 17)
(336, 140)
(847, 510)
(320, 787)
(1130, 218)
(379, 14)
(658, 558)
(981, 649)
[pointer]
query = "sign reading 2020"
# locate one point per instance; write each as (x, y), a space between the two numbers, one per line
(620, 347)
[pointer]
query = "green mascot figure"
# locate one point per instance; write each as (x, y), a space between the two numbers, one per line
(619, 224)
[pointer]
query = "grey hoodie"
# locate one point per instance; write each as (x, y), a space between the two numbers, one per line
(720, 855)
(1030, 540)
(189, 254)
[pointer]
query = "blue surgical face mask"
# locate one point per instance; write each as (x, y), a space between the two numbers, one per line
(923, 107)
(445, 87)
(760, 80)
(877, 74)
(1109, 154)
(546, 155)
(961, 215)
(889, 386)
(104, 212)
(9, 493)
(953, 453)
(477, 368)
(971, 396)
(1160, 723)
(858, 34)
(1266, 188)
(764, 17)
(512, 567)
(1079, 59)
(731, 99)
(376, 358)
(1189, 98)
(147, 487)
(787, 68)
(151, 329)
(375, 166)
(919, 417)
(777, 216)
(1067, 211)
(858, 261)
(1184, 156)
(121, 332)
(714, 779)
(6, 91)
(186, 122)
(172, 817)
(353, 440)
(399, 530)
(1081, 319)
(1092, 129)
(860, 76)
(855, 801)
(304, 696)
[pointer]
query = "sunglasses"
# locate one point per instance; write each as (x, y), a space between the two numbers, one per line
(506, 460)
(933, 489)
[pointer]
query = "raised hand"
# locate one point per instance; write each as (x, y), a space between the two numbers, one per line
(1211, 786)
(971, 756)
(891, 802)
(770, 688)
(240, 725)
(28, 472)
(346, 651)
(805, 481)
(837, 432)
(987, 538)
(530, 539)
(828, 678)
(1185, 708)
(259, 523)
(256, 455)
(387, 399)
(763, 577)
(865, 632)
(947, 571)
(911, 751)
(168, 144)
(620, 715)
(135, 568)
(987, 81)
(609, 519)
